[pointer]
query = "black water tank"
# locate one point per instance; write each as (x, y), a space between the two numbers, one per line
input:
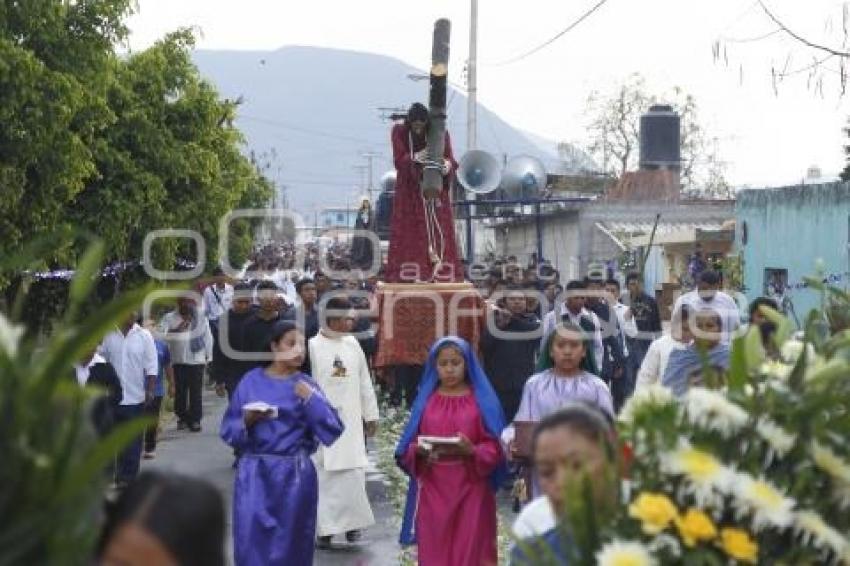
(660, 138)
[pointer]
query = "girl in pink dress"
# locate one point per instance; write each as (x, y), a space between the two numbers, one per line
(451, 505)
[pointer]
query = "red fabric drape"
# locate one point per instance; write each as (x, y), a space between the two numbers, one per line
(408, 258)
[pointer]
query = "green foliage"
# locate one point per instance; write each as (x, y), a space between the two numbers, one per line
(119, 146)
(53, 464)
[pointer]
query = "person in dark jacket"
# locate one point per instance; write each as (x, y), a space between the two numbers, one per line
(643, 310)
(258, 327)
(93, 371)
(509, 352)
(305, 313)
(226, 369)
(613, 371)
(361, 248)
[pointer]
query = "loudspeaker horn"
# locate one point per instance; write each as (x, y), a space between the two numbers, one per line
(479, 172)
(524, 177)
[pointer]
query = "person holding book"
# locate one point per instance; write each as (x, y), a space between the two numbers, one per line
(451, 452)
(276, 419)
(566, 373)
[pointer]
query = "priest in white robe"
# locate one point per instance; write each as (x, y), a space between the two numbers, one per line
(340, 368)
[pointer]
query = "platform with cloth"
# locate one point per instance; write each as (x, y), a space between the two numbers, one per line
(411, 316)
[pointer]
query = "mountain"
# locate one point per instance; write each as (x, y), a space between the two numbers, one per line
(314, 112)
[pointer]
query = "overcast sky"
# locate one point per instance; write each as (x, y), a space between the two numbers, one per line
(766, 138)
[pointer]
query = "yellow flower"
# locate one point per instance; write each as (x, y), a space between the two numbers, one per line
(695, 526)
(654, 510)
(738, 544)
(706, 478)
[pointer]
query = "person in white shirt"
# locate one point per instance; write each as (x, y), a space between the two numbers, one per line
(217, 297)
(572, 309)
(340, 368)
(190, 340)
(131, 351)
(655, 362)
(708, 296)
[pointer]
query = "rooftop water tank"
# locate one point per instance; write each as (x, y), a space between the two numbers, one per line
(660, 138)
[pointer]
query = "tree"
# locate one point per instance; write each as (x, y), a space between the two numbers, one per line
(820, 60)
(614, 133)
(118, 146)
(52, 58)
(170, 160)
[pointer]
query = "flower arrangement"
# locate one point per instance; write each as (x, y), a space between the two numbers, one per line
(757, 472)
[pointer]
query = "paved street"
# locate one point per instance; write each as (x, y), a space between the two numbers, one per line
(204, 455)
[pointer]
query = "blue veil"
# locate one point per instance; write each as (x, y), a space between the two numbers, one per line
(491, 415)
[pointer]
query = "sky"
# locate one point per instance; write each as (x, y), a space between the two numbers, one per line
(767, 136)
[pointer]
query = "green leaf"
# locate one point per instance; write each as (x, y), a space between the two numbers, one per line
(85, 277)
(738, 364)
(754, 350)
(100, 455)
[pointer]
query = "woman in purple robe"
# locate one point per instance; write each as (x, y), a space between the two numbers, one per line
(275, 493)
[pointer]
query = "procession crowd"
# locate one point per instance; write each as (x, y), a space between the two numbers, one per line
(530, 409)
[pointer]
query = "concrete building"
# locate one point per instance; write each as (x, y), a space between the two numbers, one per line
(602, 230)
(782, 233)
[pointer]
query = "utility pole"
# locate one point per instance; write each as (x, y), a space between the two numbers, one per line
(472, 80)
(362, 170)
(370, 156)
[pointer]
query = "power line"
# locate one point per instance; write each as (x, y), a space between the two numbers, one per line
(288, 126)
(555, 38)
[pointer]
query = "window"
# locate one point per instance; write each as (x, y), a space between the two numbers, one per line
(775, 282)
(340, 218)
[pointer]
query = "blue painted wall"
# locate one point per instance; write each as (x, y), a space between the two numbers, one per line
(792, 228)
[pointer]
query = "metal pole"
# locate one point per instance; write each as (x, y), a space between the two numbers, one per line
(539, 228)
(471, 111)
(470, 248)
(370, 156)
(472, 80)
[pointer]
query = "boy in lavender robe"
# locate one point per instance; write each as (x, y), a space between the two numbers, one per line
(275, 492)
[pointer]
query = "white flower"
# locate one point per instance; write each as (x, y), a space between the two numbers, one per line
(816, 532)
(706, 478)
(777, 438)
(837, 468)
(777, 370)
(767, 505)
(624, 553)
(830, 462)
(713, 411)
(665, 542)
(10, 336)
(792, 349)
(645, 397)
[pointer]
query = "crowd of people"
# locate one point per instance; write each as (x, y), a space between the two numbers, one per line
(293, 352)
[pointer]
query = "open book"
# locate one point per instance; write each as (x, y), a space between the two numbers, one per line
(429, 441)
(261, 406)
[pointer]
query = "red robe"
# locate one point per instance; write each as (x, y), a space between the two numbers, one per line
(408, 258)
(456, 507)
